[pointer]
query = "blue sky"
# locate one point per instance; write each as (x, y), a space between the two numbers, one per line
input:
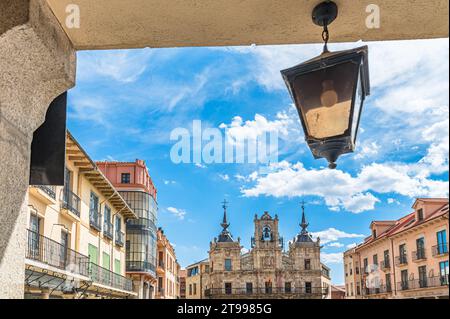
(126, 103)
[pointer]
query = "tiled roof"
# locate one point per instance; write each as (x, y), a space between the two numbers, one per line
(407, 222)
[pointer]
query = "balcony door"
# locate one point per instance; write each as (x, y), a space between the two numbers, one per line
(442, 242)
(64, 247)
(420, 245)
(33, 239)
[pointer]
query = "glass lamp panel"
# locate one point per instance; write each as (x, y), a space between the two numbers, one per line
(359, 100)
(325, 99)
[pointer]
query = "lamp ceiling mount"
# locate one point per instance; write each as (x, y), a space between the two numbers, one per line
(325, 13)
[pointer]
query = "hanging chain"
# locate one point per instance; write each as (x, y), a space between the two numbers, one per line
(325, 37)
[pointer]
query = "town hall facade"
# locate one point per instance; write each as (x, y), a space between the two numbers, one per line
(268, 270)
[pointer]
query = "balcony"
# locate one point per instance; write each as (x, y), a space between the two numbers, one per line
(49, 252)
(140, 266)
(120, 238)
(49, 190)
(426, 282)
(440, 250)
(401, 260)
(141, 223)
(94, 220)
(108, 278)
(383, 289)
(262, 293)
(419, 255)
(108, 229)
(71, 202)
(385, 264)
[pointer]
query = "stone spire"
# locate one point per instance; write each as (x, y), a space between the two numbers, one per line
(304, 236)
(304, 225)
(225, 235)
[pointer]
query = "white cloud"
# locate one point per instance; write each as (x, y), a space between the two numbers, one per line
(225, 177)
(350, 246)
(121, 65)
(367, 149)
(332, 234)
(392, 201)
(335, 245)
(200, 165)
(169, 182)
(331, 258)
(178, 213)
(352, 193)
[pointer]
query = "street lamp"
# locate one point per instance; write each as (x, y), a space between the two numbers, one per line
(329, 92)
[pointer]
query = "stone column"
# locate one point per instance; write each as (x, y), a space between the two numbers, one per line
(37, 63)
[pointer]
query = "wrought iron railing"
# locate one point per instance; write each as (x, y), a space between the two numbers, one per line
(52, 253)
(425, 282)
(71, 202)
(401, 260)
(50, 190)
(143, 266)
(385, 264)
(94, 219)
(440, 249)
(106, 277)
(120, 238)
(140, 223)
(108, 229)
(419, 255)
(304, 292)
(378, 290)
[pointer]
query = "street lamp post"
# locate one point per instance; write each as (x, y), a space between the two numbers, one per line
(329, 93)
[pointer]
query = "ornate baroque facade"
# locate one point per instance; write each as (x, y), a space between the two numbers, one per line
(267, 270)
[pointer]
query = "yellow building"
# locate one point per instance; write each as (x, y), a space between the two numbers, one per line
(76, 235)
(197, 279)
(167, 269)
(405, 258)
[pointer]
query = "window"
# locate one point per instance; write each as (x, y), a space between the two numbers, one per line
(249, 287)
(443, 271)
(420, 214)
(442, 242)
(228, 265)
(195, 289)
(93, 254)
(287, 287)
(423, 276)
(65, 247)
(228, 288)
(388, 283)
(268, 287)
(358, 289)
(117, 266)
(33, 240)
(351, 289)
(190, 290)
(161, 283)
(375, 259)
(374, 233)
(93, 209)
(404, 278)
(106, 261)
(366, 265)
(386, 258)
(125, 178)
(308, 287)
(307, 264)
(420, 245)
(351, 269)
(402, 250)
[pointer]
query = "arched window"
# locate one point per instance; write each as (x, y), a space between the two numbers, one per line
(266, 233)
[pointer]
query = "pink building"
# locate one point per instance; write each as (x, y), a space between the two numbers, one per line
(134, 183)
